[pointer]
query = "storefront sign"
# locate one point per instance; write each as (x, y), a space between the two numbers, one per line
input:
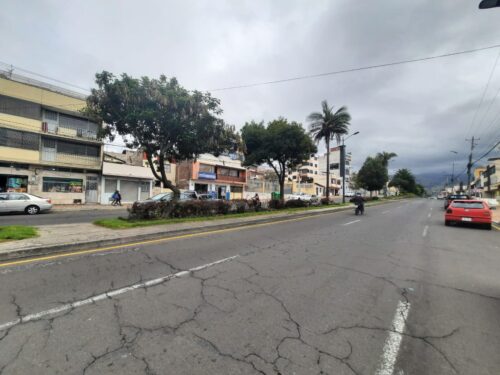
(207, 175)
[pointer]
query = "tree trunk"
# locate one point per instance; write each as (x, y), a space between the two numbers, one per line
(328, 168)
(166, 183)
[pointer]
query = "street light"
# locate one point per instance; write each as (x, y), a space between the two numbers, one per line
(453, 173)
(342, 165)
(486, 4)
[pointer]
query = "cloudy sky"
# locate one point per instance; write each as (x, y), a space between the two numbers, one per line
(421, 110)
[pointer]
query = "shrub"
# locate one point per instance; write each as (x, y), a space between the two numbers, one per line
(325, 201)
(178, 209)
(276, 204)
(293, 203)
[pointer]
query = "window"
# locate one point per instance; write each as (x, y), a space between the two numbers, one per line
(79, 149)
(4, 197)
(18, 139)
(234, 173)
(18, 197)
(168, 168)
(334, 166)
(228, 172)
(472, 205)
(50, 115)
(62, 185)
(207, 168)
(18, 107)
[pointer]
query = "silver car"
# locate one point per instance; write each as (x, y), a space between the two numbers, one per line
(22, 202)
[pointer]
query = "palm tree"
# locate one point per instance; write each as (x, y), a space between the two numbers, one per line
(384, 157)
(327, 125)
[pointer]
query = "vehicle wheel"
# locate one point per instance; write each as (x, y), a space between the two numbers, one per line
(447, 223)
(488, 226)
(32, 210)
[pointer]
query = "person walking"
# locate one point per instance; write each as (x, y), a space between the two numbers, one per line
(117, 199)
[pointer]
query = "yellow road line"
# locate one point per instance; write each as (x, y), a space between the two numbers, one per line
(163, 239)
(495, 226)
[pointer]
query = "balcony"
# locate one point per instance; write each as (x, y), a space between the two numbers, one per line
(68, 132)
(72, 161)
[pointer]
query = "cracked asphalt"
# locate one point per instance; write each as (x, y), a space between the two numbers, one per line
(312, 296)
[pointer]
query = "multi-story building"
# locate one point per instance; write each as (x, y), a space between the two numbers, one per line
(222, 176)
(335, 173)
(47, 146)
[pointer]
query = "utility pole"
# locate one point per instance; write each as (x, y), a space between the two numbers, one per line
(469, 164)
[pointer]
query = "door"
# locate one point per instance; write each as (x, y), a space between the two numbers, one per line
(129, 190)
(91, 189)
(3, 202)
(17, 202)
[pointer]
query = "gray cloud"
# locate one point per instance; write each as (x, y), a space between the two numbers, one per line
(420, 111)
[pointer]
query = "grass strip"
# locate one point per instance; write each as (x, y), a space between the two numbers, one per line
(17, 232)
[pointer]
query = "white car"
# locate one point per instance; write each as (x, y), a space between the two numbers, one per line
(22, 202)
(492, 202)
(301, 196)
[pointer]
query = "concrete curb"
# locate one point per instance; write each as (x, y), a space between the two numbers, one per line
(61, 248)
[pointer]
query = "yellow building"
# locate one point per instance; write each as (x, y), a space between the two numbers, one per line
(47, 147)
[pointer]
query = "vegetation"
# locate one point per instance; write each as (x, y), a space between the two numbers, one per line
(384, 158)
(160, 117)
(405, 181)
(327, 125)
(373, 175)
(17, 232)
(282, 145)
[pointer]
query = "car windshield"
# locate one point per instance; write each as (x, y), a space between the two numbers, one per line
(457, 197)
(162, 196)
(462, 204)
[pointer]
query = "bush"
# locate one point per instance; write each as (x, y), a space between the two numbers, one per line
(276, 204)
(294, 203)
(180, 209)
(325, 201)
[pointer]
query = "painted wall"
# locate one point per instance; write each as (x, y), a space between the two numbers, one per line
(19, 155)
(21, 123)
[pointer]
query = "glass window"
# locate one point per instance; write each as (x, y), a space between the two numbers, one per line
(50, 115)
(18, 197)
(18, 139)
(206, 168)
(62, 185)
(472, 205)
(4, 197)
(168, 168)
(234, 173)
(223, 171)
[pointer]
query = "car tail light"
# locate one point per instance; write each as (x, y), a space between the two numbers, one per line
(487, 213)
(48, 200)
(449, 211)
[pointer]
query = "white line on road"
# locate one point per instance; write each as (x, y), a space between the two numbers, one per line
(351, 222)
(111, 294)
(384, 212)
(429, 215)
(424, 233)
(393, 341)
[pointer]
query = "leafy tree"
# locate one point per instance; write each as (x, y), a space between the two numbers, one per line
(282, 145)
(420, 190)
(327, 125)
(160, 117)
(404, 181)
(373, 175)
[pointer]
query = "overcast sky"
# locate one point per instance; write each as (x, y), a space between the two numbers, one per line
(421, 110)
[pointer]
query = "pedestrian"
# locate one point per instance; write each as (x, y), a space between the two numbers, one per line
(117, 198)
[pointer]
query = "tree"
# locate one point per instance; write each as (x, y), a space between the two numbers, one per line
(404, 181)
(327, 125)
(161, 118)
(282, 145)
(384, 158)
(373, 175)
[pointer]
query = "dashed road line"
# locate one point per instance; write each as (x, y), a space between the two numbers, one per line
(384, 212)
(426, 229)
(393, 341)
(429, 215)
(351, 222)
(107, 295)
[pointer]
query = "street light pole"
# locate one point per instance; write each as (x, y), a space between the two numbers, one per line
(342, 167)
(453, 173)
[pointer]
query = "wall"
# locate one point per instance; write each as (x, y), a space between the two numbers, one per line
(19, 155)
(39, 95)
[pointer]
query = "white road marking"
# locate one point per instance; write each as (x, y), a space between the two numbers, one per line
(384, 212)
(424, 233)
(429, 215)
(432, 208)
(351, 222)
(393, 341)
(111, 294)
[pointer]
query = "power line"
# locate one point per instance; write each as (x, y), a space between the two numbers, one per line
(400, 62)
(488, 152)
(493, 68)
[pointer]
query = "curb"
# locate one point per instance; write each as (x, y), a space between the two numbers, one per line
(62, 248)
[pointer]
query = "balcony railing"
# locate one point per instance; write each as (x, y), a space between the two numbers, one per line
(68, 132)
(71, 160)
(240, 179)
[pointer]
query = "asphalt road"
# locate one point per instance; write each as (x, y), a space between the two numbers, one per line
(61, 217)
(391, 292)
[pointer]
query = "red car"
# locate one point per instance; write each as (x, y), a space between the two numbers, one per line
(468, 211)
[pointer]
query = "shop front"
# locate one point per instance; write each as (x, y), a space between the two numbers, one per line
(13, 183)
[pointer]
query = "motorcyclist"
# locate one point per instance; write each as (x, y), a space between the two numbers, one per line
(359, 201)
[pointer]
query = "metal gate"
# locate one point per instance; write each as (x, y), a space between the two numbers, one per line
(91, 189)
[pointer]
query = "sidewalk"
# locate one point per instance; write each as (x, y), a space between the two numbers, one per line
(85, 207)
(496, 215)
(81, 236)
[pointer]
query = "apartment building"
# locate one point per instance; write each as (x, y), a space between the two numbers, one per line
(47, 147)
(221, 176)
(335, 170)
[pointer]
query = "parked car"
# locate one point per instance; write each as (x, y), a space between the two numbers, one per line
(471, 211)
(165, 197)
(450, 198)
(23, 202)
(301, 196)
(492, 202)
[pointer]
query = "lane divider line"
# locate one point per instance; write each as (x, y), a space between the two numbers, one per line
(351, 222)
(429, 216)
(384, 212)
(393, 341)
(108, 295)
(426, 229)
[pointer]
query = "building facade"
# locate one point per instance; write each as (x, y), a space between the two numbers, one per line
(47, 147)
(223, 177)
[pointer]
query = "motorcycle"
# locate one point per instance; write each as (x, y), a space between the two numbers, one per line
(359, 210)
